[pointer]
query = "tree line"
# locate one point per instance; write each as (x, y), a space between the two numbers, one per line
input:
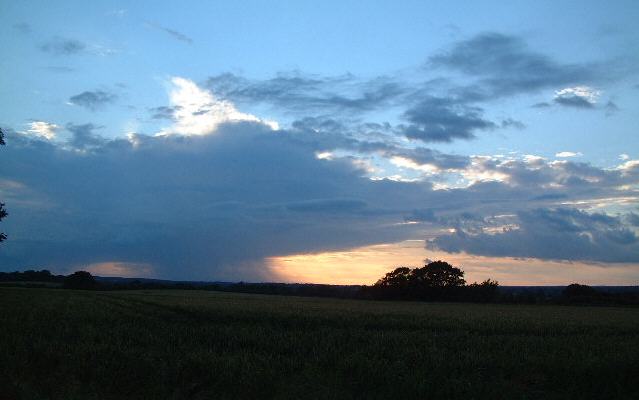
(436, 281)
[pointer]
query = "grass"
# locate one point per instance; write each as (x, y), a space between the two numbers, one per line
(63, 344)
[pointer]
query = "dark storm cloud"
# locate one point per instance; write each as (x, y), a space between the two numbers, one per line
(437, 119)
(189, 205)
(93, 100)
(63, 47)
(554, 234)
(505, 65)
(202, 207)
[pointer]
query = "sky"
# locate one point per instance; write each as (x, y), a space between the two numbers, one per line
(323, 142)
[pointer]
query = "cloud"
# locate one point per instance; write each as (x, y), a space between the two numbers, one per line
(504, 65)
(611, 108)
(63, 47)
(578, 96)
(301, 93)
(512, 123)
(215, 206)
(59, 46)
(219, 191)
(83, 136)
(93, 100)
(188, 205)
(164, 112)
(196, 111)
(552, 234)
(566, 154)
(425, 156)
(42, 129)
(173, 33)
(329, 206)
(437, 119)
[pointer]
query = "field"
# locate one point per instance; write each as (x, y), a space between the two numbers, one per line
(63, 344)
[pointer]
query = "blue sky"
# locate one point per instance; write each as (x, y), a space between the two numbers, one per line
(469, 127)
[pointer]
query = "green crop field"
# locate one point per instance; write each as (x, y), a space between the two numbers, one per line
(63, 344)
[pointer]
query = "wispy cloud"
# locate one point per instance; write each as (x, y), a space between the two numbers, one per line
(59, 46)
(171, 32)
(63, 47)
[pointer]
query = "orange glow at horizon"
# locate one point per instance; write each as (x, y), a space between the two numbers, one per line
(121, 269)
(365, 265)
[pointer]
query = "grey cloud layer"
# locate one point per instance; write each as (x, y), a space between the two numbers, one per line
(188, 206)
(556, 234)
(192, 207)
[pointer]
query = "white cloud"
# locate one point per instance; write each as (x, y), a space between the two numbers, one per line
(42, 129)
(198, 112)
(564, 154)
(403, 162)
(325, 155)
(624, 157)
(582, 92)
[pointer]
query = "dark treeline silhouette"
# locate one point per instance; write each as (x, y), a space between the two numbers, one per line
(80, 280)
(437, 281)
(43, 276)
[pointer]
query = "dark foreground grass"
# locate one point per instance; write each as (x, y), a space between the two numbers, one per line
(61, 344)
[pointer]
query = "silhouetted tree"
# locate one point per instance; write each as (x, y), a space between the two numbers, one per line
(399, 277)
(3, 212)
(486, 291)
(80, 280)
(576, 289)
(438, 274)
(576, 293)
(437, 280)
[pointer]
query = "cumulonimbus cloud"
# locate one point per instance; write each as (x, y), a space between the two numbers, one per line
(198, 206)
